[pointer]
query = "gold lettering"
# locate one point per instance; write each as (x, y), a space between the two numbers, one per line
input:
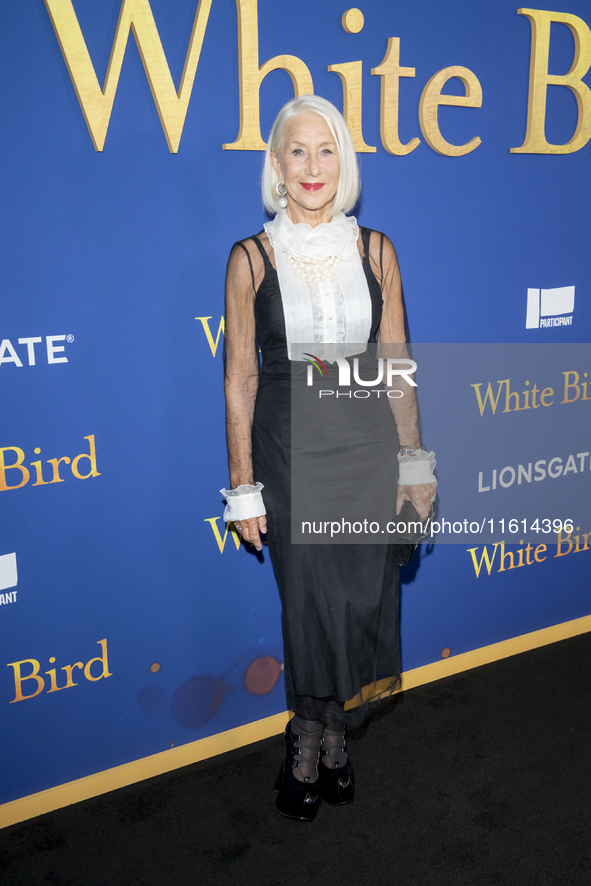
(251, 76)
(489, 396)
(539, 550)
(561, 541)
(104, 661)
(39, 474)
(222, 541)
(504, 556)
(37, 465)
(92, 459)
(352, 21)
(539, 80)
(52, 677)
(568, 385)
(391, 72)
(509, 394)
(97, 104)
(351, 78)
(221, 328)
(547, 392)
(20, 457)
(55, 462)
(432, 98)
(484, 558)
(19, 679)
(68, 669)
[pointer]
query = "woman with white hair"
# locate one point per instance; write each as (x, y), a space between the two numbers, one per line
(314, 276)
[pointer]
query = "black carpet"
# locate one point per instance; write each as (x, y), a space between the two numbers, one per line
(483, 778)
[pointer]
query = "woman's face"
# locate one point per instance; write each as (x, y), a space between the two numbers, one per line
(308, 164)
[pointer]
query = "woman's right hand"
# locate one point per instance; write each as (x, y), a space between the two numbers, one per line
(250, 530)
(421, 495)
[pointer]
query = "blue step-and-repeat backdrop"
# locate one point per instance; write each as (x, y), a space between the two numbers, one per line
(132, 619)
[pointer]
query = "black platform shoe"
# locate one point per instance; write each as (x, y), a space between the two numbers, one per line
(295, 798)
(337, 786)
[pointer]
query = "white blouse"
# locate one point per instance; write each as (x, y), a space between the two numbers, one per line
(333, 310)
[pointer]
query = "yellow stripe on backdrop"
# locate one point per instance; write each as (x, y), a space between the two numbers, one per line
(157, 764)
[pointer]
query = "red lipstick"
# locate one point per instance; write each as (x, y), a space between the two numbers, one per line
(312, 186)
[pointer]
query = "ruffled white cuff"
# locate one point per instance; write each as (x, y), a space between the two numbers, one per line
(244, 502)
(417, 468)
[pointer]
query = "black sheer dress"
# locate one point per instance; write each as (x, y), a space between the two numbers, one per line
(339, 602)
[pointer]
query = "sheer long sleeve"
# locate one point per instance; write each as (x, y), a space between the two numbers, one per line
(392, 337)
(241, 368)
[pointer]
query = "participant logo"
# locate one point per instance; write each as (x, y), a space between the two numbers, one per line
(550, 307)
(8, 578)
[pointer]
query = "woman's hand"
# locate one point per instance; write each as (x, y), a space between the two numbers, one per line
(421, 495)
(250, 530)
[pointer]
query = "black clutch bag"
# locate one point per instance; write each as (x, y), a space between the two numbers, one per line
(410, 529)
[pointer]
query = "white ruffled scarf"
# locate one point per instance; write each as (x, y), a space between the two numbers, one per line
(304, 243)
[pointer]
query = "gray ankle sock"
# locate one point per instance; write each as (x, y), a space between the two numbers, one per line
(309, 743)
(334, 754)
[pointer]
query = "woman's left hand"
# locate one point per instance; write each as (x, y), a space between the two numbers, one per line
(250, 530)
(422, 496)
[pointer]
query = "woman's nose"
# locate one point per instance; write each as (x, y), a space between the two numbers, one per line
(313, 165)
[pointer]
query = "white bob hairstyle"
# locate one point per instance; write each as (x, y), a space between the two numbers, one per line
(349, 186)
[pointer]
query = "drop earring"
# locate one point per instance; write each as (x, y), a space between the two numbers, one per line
(281, 192)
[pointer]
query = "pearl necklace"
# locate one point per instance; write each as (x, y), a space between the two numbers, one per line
(314, 270)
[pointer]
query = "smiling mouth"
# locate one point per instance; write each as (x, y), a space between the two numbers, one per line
(312, 186)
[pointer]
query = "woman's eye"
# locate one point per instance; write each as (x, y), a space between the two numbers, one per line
(297, 151)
